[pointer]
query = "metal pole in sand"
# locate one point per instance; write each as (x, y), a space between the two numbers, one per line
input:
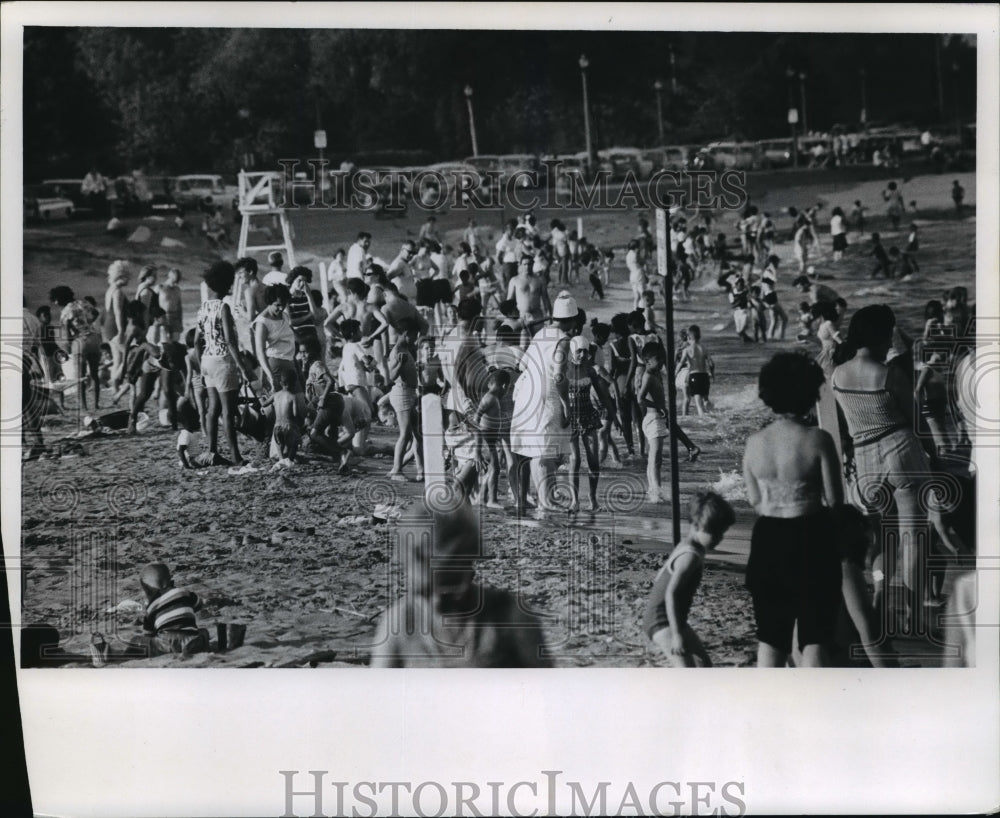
(663, 268)
(433, 429)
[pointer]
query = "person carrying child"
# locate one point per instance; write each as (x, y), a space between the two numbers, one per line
(652, 398)
(677, 582)
(445, 618)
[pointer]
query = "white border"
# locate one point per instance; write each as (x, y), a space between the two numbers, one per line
(211, 742)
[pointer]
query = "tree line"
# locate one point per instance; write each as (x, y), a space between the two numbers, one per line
(190, 100)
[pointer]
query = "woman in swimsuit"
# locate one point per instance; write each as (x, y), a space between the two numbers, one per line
(793, 480)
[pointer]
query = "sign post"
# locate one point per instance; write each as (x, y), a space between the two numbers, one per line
(663, 268)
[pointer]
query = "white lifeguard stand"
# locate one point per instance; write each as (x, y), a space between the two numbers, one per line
(257, 200)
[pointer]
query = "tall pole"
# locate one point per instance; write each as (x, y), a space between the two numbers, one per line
(790, 76)
(586, 108)
(673, 72)
(864, 97)
(472, 120)
(663, 268)
(802, 95)
(658, 87)
(958, 109)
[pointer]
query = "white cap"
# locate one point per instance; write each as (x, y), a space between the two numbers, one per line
(564, 306)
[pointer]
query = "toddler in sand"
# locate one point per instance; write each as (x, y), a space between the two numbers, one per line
(289, 417)
(669, 602)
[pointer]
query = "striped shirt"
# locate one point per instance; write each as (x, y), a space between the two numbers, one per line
(173, 610)
(870, 414)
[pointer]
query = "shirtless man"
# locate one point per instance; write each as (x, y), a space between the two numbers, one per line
(169, 294)
(401, 272)
(701, 370)
(397, 311)
(531, 296)
(507, 252)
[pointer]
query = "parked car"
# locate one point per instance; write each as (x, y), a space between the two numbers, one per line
(487, 163)
(194, 190)
(775, 153)
(523, 163)
(162, 190)
(622, 161)
(733, 155)
(71, 189)
(669, 157)
(45, 202)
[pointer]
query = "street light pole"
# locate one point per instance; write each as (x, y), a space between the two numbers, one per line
(472, 120)
(673, 72)
(790, 76)
(864, 98)
(802, 95)
(586, 108)
(658, 87)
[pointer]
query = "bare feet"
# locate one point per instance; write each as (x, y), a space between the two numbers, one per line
(397, 477)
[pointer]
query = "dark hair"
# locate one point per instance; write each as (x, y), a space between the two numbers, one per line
(934, 309)
(349, 328)
(508, 308)
(44, 310)
(219, 277)
(695, 332)
(501, 376)
(619, 323)
(802, 280)
(871, 326)
(276, 292)
(247, 263)
(825, 310)
(600, 331)
(893, 251)
(357, 287)
(61, 295)
(790, 382)
(310, 343)
(707, 507)
(287, 377)
(508, 335)
(189, 337)
(407, 324)
(364, 235)
(298, 272)
(654, 349)
(148, 271)
(90, 300)
(637, 318)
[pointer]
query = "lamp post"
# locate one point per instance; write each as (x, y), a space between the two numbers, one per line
(792, 117)
(958, 109)
(586, 109)
(864, 97)
(472, 120)
(673, 72)
(658, 87)
(802, 96)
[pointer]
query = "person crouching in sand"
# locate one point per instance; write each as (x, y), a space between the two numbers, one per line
(445, 618)
(677, 582)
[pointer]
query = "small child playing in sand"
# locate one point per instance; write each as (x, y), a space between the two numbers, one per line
(169, 624)
(858, 216)
(289, 417)
(445, 618)
(669, 602)
(488, 422)
(187, 416)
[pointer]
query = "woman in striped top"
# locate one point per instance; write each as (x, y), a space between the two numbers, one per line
(300, 306)
(877, 404)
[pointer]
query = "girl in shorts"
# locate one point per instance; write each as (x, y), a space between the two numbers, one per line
(585, 418)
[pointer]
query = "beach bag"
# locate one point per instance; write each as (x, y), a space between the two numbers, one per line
(250, 419)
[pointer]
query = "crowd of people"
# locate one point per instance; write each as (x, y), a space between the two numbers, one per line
(527, 382)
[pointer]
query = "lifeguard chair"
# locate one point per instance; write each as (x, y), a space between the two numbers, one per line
(257, 200)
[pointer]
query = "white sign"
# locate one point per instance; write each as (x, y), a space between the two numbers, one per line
(661, 242)
(793, 116)
(319, 139)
